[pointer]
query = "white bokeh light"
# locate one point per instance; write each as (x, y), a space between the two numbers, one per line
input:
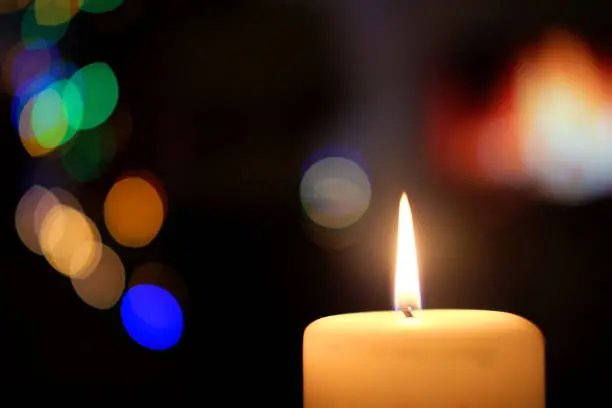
(335, 192)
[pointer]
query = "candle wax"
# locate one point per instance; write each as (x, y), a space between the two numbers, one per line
(436, 359)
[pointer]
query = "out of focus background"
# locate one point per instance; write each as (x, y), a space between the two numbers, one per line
(187, 185)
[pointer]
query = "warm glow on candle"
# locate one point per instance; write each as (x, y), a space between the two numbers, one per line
(407, 288)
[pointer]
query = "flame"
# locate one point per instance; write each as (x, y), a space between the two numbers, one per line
(407, 288)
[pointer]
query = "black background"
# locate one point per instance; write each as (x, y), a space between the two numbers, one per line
(228, 101)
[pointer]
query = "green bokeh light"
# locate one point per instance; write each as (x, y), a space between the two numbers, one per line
(73, 103)
(89, 154)
(100, 6)
(56, 114)
(36, 36)
(49, 121)
(99, 90)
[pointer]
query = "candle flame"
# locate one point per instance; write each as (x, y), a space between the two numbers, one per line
(407, 288)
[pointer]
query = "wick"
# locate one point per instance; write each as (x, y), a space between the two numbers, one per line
(407, 311)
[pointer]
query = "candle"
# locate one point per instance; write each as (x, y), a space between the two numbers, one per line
(413, 358)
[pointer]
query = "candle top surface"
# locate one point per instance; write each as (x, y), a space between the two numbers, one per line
(451, 320)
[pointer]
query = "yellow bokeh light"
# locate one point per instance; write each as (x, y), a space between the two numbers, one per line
(55, 12)
(103, 287)
(134, 210)
(70, 241)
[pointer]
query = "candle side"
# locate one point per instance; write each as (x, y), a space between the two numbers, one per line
(438, 358)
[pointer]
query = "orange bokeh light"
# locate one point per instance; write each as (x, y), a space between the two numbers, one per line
(134, 210)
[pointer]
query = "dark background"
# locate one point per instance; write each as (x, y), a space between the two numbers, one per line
(228, 101)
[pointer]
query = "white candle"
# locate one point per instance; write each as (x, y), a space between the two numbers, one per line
(434, 359)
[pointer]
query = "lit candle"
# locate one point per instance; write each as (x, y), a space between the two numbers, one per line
(413, 358)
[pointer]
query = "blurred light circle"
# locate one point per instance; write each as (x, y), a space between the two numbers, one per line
(26, 133)
(30, 213)
(103, 286)
(561, 97)
(35, 35)
(99, 91)
(152, 317)
(134, 210)
(27, 93)
(73, 103)
(335, 192)
(70, 241)
(598, 156)
(55, 12)
(100, 6)
(66, 198)
(57, 114)
(49, 119)
(22, 64)
(89, 153)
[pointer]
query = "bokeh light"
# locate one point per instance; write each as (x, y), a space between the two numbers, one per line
(21, 64)
(70, 241)
(545, 130)
(27, 92)
(562, 108)
(103, 286)
(30, 213)
(134, 210)
(99, 90)
(35, 35)
(32, 209)
(55, 12)
(100, 6)
(49, 119)
(152, 317)
(26, 132)
(66, 198)
(499, 147)
(335, 192)
(72, 106)
(89, 153)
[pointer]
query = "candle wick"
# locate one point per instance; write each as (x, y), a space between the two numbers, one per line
(407, 311)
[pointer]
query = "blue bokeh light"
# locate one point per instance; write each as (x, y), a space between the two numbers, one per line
(152, 317)
(58, 70)
(30, 89)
